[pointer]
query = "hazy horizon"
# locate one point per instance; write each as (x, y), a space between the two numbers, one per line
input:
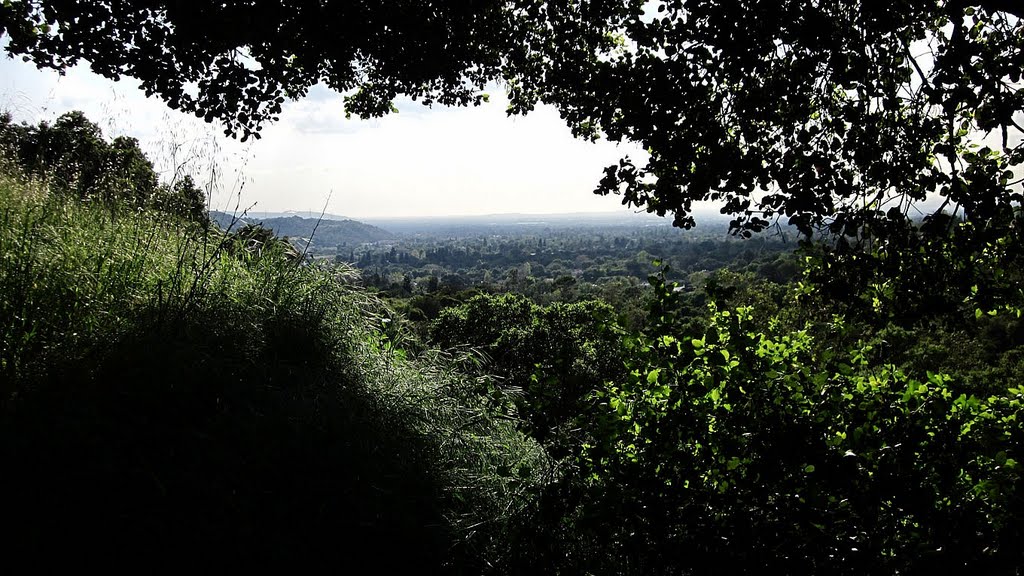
(623, 213)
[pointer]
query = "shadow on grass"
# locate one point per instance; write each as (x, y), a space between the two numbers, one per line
(200, 438)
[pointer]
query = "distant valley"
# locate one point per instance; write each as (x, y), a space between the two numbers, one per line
(336, 230)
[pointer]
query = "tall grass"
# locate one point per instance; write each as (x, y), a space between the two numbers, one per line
(158, 393)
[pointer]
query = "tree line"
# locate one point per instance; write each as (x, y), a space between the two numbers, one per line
(74, 158)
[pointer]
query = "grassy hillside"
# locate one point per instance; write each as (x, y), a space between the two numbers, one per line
(159, 396)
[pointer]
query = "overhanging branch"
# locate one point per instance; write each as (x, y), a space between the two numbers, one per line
(1015, 7)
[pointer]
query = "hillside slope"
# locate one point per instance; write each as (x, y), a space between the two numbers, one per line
(157, 394)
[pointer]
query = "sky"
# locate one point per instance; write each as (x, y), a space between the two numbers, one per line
(420, 162)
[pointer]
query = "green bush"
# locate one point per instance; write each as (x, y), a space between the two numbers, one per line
(756, 447)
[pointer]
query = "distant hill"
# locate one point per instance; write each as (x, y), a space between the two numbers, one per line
(260, 215)
(328, 232)
(462, 226)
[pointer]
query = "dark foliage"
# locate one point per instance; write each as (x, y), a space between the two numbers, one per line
(201, 436)
(814, 435)
(74, 158)
(557, 355)
(246, 58)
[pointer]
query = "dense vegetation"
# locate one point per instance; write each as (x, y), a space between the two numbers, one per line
(166, 382)
(424, 270)
(586, 254)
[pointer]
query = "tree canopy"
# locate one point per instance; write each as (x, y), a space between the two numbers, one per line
(239, 61)
(851, 118)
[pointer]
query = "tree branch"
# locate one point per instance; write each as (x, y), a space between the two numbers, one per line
(1015, 7)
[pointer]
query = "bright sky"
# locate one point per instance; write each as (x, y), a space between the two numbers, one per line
(419, 162)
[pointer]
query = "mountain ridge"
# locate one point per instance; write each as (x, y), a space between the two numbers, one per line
(328, 232)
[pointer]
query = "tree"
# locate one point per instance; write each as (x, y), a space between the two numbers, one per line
(858, 121)
(183, 198)
(239, 61)
(823, 106)
(556, 355)
(854, 119)
(73, 155)
(127, 175)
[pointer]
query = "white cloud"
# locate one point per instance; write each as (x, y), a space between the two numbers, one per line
(421, 161)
